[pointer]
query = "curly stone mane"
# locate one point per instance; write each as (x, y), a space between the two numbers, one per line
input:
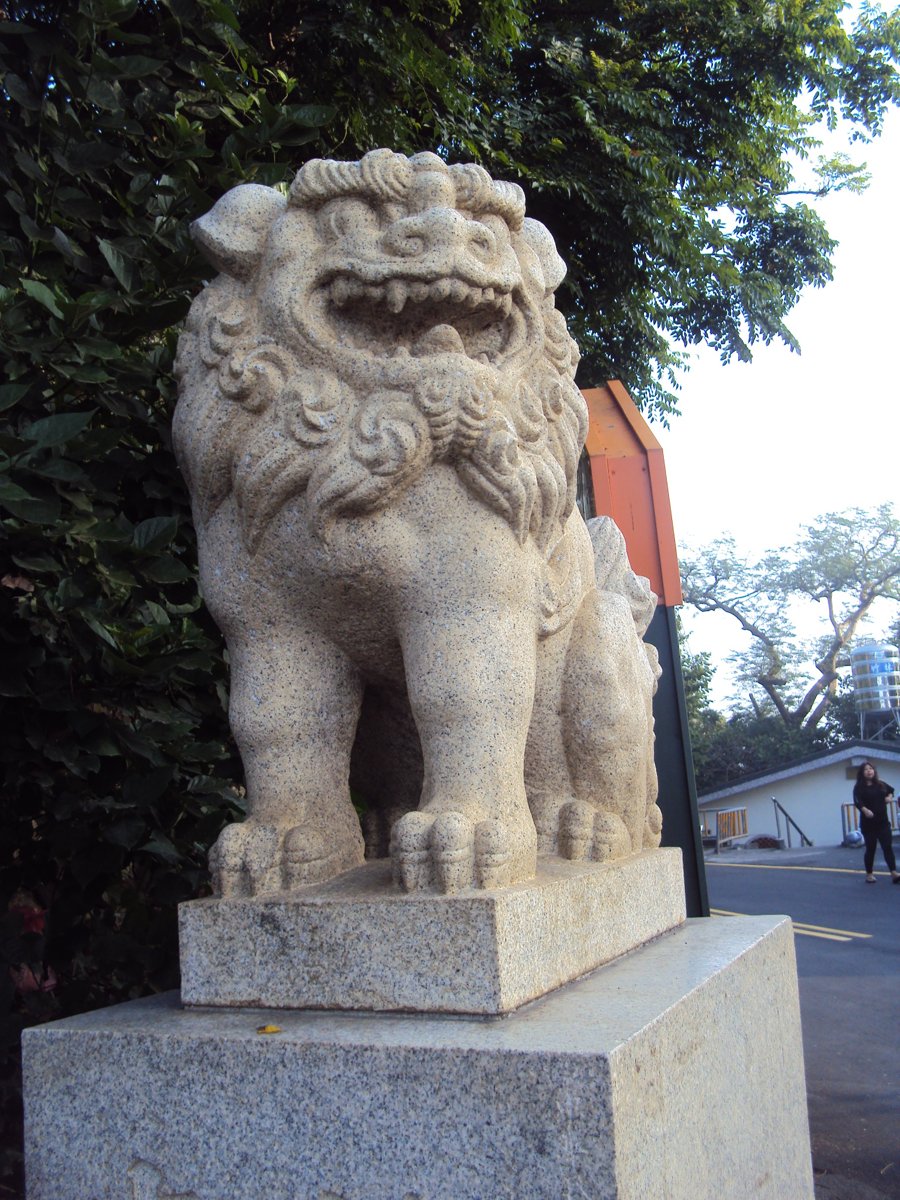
(386, 315)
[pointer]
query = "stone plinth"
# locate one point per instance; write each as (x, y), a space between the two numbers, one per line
(357, 943)
(675, 1073)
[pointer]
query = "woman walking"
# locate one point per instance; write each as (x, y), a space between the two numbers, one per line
(870, 796)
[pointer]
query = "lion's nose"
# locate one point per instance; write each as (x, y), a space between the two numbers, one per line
(438, 231)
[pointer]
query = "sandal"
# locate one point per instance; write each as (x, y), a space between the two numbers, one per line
(871, 879)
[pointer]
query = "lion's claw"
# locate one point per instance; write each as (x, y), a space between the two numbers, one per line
(589, 833)
(252, 859)
(242, 859)
(449, 851)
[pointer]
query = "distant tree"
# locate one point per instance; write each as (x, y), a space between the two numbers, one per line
(844, 563)
(841, 721)
(728, 748)
(658, 140)
(697, 673)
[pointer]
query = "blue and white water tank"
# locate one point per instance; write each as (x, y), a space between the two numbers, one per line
(875, 668)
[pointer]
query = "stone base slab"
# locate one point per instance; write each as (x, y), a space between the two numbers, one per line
(357, 942)
(675, 1073)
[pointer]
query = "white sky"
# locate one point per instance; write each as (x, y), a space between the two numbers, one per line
(764, 447)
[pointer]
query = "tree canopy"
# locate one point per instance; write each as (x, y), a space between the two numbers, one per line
(120, 123)
(670, 145)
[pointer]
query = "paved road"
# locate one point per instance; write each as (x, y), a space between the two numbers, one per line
(847, 941)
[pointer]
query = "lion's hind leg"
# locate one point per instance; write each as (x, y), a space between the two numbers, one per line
(607, 729)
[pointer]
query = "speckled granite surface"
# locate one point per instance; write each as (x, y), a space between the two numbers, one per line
(380, 430)
(358, 943)
(675, 1073)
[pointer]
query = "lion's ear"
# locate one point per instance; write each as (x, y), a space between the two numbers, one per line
(233, 233)
(538, 238)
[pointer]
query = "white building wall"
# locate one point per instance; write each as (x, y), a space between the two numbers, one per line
(813, 797)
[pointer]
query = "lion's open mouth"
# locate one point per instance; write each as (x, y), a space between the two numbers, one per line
(419, 317)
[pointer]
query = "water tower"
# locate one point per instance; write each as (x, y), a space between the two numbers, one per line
(876, 686)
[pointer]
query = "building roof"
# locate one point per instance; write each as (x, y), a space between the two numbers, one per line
(886, 751)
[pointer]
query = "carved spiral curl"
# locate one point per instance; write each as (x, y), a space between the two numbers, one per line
(253, 376)
(381, 174)
(390, 436)
(314, 406)
(476, 191)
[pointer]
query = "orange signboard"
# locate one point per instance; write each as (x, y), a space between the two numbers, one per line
(629, 478)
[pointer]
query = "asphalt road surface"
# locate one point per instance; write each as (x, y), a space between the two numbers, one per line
(847, 937)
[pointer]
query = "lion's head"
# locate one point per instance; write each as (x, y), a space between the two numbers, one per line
(384, 315)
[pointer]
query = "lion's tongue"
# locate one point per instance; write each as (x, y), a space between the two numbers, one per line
(442, 339)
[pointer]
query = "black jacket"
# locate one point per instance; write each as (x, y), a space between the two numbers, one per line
(872, 796)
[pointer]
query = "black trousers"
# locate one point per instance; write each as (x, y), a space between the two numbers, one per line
(881, 833)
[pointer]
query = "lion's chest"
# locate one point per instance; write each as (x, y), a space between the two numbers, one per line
(369, 584)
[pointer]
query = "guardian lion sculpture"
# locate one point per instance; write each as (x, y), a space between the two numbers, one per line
(380, 430)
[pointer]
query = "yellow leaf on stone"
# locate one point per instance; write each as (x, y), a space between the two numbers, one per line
(269, 1029)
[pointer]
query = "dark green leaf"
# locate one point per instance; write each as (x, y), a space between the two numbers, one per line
(19, 90)
(136, 66)
(118, 264)
(166, 569)
(11, 394)
(58, 429)
(154, 533)
(37, 563)
(160, 847)
(144, 789)
(40, 292)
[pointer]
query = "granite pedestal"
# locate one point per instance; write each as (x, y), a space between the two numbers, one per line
(358, 943)
(673, 1073)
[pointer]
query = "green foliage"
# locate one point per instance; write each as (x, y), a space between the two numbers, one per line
(728, 749)
(697, 674)
(121, 122)
(659, 141)
(725, 749)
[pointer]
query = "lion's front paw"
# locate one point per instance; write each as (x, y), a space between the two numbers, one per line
(244, 859)
(252, 858)
(589, 833)
(449, 851)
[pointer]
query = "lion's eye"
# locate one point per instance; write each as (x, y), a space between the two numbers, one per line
(337, 218)
(489, 233)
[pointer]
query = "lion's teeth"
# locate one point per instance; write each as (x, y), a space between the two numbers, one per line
(418, 292)
(488, 295)
(457, 291)
(396, 295)
(506, 304)
(441, 289)
(340, 292)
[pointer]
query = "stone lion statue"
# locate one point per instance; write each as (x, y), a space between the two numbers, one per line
(380, 431)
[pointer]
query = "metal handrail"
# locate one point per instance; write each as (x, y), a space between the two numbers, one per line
(789, 821)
